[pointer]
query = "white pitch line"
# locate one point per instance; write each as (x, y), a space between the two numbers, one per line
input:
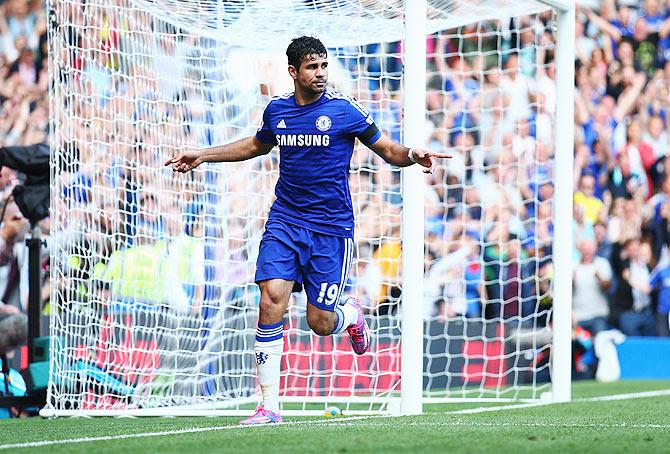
(469, 411)
(660, 392)
(344, 422)
(462, 423)
(34, 444)
(638, 395)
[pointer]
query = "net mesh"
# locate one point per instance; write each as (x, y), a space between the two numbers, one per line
(339, 23)
(153, 302)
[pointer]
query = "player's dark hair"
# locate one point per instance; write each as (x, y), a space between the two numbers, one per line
(302, 47)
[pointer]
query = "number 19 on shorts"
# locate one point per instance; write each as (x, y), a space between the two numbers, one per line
(327, 292)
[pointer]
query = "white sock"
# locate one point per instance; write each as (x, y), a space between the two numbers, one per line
(268, 350)
(347, 315)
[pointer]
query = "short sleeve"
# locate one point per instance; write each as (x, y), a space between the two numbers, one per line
(360, 123)
(264, 133)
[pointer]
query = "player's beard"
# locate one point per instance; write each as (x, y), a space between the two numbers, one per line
(312, 90)
(318, 89)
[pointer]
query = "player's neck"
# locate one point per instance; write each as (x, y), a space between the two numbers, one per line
(302, 98)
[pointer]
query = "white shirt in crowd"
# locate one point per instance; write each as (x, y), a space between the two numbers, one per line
(639, 273)
(659, 145)
(590, 300)
(517, 90)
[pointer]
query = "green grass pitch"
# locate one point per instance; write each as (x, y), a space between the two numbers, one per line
(632, 425)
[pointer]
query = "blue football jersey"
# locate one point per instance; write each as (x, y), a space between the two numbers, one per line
(316, 142)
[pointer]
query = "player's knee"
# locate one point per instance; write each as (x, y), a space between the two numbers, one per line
(271, 300)
(321, 326)
(268, 304)
(271, 293)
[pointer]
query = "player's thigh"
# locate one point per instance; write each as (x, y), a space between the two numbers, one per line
(325, 274)
(279, 254)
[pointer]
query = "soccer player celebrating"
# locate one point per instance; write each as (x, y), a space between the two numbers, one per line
(308, 238)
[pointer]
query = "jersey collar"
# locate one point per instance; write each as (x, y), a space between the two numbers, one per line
(319, 100)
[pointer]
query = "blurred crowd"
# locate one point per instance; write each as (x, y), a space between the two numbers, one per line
(490, 224)
(622, 178)
(24, 117)
(133, 90)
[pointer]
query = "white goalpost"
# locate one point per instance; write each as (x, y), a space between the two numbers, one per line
(563, 241)
(465, 275)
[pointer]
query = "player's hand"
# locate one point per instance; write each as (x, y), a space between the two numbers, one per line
(427, 158)
(185, 161)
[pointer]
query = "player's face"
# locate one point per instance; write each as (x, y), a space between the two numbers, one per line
(312, 75)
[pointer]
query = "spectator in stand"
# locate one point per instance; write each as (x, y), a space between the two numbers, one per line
(540, 234)
(8, 179)
(660, 170)
(592, 206)
(186, 253)
(633, 302)
(622, 297)
(660, 280)
(640, 154)
(626, 221)
(13, 255)
(656, 136)
(655, 214)
(623, 183)
(523, 143)
(604, 245)
(599, 165)
(475, 292)
(582, 228)
(387, 259)
(517, 88)
(657, 201)
(584, 45)
(652, 14)
(13, 324)
(591, 279)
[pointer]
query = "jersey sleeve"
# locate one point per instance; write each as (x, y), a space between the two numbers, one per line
(360, 123)
(264, 133)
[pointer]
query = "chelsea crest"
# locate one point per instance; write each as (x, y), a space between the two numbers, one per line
(323, 123)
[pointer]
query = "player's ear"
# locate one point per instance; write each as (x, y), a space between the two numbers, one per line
(293, 71)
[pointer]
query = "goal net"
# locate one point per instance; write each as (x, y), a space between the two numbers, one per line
(153, 304)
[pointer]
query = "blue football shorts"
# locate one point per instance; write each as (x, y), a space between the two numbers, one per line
(318, 261)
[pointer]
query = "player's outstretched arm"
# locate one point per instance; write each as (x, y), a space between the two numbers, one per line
(240, 150)
(401, 156)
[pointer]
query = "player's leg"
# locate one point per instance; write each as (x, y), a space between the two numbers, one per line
(348, 316)
(269, 346)
(325, 276)
(277, 272)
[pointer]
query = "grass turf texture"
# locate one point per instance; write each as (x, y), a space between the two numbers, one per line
(634, 425)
